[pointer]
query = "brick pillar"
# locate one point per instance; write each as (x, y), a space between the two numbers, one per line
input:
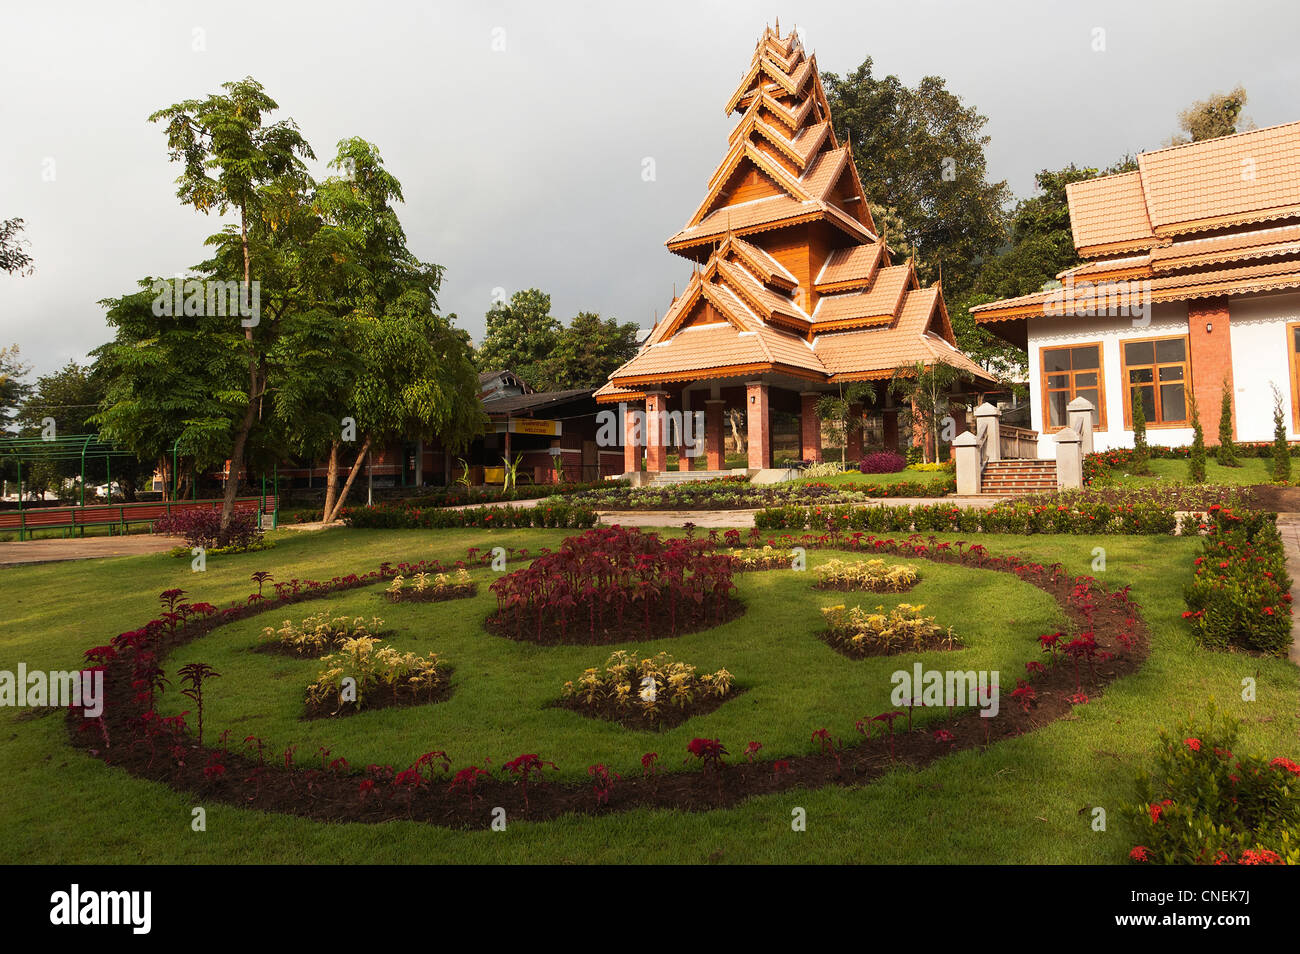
(1211, 360)
(853, 439)
(633, 438)
(760, 432)
(891, 430)
(810, 426)
(714, 450)
(656, 421)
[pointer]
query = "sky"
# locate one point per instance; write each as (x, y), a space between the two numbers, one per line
(546, 144)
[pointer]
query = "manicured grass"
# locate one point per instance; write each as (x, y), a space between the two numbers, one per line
(1024, 800)
(853, 479)
(1253, 470)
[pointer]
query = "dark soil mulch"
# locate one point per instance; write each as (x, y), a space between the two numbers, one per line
(385, 697)
(578, 632)
(338, 796)
(877, 649)
(1276, 499)
(632, 718)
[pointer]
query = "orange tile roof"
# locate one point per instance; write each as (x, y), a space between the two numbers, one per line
(883, 298)
(854, 265)
(1109, 211)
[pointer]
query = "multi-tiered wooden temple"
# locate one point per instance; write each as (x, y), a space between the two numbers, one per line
(794, 290)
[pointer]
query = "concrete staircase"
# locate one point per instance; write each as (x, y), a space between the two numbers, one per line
(668, 477)
(1011, 477)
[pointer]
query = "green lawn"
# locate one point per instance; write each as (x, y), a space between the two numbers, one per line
(1022, 801)
(1254, 470)
(853, 479)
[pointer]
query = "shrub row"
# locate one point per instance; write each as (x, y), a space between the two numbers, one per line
(202, 528)
(395, 517)
(1004, 518)
(1239, 595)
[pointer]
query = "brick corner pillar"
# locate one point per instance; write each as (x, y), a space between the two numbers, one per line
(759, 425)
(1209, 338)
(656, 422)
(853, 436)
(810, 426)
(633, 438)
(714, 452)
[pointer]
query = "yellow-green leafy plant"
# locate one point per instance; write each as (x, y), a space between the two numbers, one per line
(365, 672)
(876, 576)
(646, 691)
(319, 634)
(768, 558)
(431, 587)
(858, 632)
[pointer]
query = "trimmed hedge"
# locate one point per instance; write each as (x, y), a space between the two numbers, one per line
(1005, 518)
(390, 517)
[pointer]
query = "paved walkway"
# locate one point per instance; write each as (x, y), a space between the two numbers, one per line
(1288, 525)
(84, 548)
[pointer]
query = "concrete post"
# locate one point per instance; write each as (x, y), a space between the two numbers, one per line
(656, 425)
(756, 416)
(1078, 415)
(988, 423)
(715, 454)
(966, 454)
(1069, 462)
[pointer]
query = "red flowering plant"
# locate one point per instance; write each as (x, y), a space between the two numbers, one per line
(829, 746)
(602, 782)
(1205, 805)
(466, 780)
(524, 768)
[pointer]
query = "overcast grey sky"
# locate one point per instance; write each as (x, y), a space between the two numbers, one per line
(522, 166)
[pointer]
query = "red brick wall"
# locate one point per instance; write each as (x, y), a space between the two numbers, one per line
(810, 427)
(1210, 355)
(760, 427)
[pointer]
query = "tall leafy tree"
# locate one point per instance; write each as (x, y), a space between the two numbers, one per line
(14, 257)
(1219, 114)
(521, 336)
(229, 154)
(920, 152)
(587, 351)
(926, 389)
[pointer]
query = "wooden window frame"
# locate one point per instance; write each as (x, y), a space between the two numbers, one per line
(1291, 356)
(1047, 427)
(1188, 393)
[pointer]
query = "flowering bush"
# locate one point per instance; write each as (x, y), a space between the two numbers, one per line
(647, 690)
(400, 517)
(1240, 592)
(382, 676)
(856, 632)
(882, 462)
(202, 528)
(876, 576)
(599, 586)
(318, 634)
(1207, 805)
(431, 587)
(768, 558)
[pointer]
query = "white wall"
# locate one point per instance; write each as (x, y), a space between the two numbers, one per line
(1053, 332)
(1260, 357)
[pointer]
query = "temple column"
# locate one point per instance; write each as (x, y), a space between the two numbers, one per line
(633, 436)
(656, 421)
(759, 426)
(714, 450)
(853, 437)
(891, 430)
(810, 427)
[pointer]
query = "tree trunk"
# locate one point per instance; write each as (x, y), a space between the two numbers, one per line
(352, 475)
(331, 481)
(733, 417)
(241, 439)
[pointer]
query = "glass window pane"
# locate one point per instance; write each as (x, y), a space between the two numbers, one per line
(1140, 375)
(1086, 357)
(1171, 349)
(1091, 395)
(1056, 402)
(1056, 359)
(1295, 340)
(1173, 403)
(1058, 380)
(1173, 372)
(1148, 403)
(1139, 352)
(1085, 379)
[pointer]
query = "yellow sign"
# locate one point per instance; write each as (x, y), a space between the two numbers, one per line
(526, 425)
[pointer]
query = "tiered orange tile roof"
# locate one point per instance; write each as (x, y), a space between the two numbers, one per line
(1219, 217)
(792, 277)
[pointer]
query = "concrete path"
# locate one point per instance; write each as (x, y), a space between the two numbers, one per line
(1288, 525)
(84, 548)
